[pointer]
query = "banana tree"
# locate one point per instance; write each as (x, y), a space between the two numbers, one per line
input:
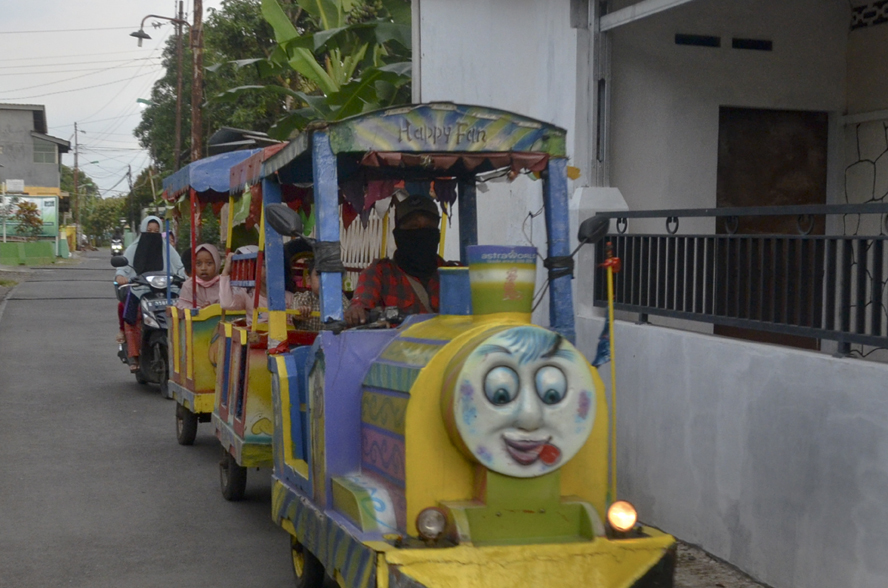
(344, 68)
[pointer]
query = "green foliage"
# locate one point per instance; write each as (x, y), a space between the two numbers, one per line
(103, 217)
(27, 215)
(87, 188)
(208, 232)
(355, 58)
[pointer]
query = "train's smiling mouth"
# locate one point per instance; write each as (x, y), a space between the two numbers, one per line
(525, 451)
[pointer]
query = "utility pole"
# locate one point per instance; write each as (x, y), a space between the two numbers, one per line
(197, 79)
(76, 193)
(132, 199)
(179, 88)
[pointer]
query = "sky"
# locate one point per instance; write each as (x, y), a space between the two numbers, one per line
(77, 59)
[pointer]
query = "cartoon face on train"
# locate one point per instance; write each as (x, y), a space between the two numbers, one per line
(521, 402)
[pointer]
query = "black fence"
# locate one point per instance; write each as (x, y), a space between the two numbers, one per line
(815, 286)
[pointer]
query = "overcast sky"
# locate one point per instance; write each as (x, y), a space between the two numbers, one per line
(77, 59)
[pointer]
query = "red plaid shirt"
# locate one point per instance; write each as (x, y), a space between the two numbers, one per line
(383, 283)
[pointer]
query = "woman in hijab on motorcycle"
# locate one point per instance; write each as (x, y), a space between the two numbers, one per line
(148, 253)
(203, 285)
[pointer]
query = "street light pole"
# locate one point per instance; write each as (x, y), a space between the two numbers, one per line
(76, 194)
(197, 79)
(142, 35)
(179, 88)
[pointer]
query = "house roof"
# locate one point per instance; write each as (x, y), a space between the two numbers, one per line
(64, 146)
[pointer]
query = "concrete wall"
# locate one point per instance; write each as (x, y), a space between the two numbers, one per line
(773, 459)
(17, 155)
(518, 55)
(665, 98)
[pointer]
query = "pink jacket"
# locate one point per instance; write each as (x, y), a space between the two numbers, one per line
(205, 296)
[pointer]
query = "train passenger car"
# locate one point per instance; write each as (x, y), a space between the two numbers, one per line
(192, 376)
(467, 448)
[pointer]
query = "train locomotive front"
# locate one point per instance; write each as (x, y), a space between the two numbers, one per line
(470, 451)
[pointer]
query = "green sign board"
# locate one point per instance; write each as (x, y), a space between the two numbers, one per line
(48, 206)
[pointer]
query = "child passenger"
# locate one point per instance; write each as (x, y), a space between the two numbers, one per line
(234, 298)
(203, 285)
(309, 301)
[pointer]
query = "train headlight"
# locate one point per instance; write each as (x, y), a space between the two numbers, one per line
(622, 516)
(430, 523)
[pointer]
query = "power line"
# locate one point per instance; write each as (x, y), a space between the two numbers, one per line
(79, 89)
(65, 30)
(57, 64)
(66, 56)
(158, 46)
(99, 120)
(94, 70)
(57, 81)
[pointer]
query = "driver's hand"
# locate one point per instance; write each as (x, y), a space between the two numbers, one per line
(121, 280)
(355, 315)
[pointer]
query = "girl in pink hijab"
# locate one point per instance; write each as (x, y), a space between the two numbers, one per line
(204, 280)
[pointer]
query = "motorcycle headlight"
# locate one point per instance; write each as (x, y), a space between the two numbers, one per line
(157, 281)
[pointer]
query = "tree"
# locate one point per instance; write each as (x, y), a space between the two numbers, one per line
(357, 59)
(30, 223)
(103, 217)
(235, 32)
(85, 185)
(274, 66)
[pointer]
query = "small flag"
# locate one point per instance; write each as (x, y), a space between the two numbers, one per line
(603, 353)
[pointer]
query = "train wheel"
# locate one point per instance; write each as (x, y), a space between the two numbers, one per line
(307, 568)
(186, 425)
(232, 477)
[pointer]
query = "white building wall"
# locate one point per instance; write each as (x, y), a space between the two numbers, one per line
(517, 55)
(665, 98)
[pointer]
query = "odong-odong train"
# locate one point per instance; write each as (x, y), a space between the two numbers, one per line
(468, 448)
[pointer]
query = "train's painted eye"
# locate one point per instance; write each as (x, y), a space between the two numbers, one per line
(551, 384)
(501, 385)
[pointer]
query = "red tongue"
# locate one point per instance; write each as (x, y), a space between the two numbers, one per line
(550, 454)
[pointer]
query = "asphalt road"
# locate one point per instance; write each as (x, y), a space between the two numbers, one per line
(94, 490)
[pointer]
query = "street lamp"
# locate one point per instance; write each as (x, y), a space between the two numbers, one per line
(197, 81)
(140, 35)
(144, 103)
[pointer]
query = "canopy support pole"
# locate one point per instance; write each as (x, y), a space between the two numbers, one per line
(468, 217)
(561, 317)
(326, 197)
(193, 198)
(274, 259)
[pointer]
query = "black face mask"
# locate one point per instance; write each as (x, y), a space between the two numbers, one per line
(417, 252)
(149, 253)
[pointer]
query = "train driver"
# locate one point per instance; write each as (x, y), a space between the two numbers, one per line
(409, 281)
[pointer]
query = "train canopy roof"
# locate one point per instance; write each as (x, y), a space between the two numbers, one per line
(209, 177)
(450, 139)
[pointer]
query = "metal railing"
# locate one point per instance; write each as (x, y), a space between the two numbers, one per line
(823, 287)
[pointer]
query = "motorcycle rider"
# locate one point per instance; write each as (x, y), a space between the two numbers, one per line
(146, 254)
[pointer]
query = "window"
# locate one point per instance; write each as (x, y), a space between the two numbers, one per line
(45, 152)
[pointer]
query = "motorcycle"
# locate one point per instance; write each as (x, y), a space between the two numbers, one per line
(116, 247)
(146, 295)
